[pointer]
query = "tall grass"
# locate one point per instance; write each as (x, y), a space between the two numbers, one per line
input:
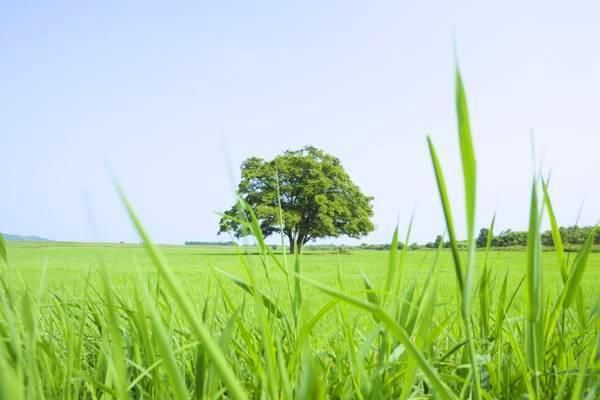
(159, 340)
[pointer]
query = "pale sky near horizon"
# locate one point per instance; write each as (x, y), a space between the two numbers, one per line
(175, 95)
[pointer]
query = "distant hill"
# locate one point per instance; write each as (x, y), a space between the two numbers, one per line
(8, 236)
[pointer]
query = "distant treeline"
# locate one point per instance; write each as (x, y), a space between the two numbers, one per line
(191, 243)
(572, 237)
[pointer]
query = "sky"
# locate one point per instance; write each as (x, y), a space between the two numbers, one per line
(172, 97)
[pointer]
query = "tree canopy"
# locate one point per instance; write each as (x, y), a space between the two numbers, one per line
(316, 195)
(572, 235)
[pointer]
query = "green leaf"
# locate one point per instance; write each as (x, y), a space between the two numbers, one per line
(534, 332)
(371, 295)
(578, 268)
(268, 303)
(467, 153)
(443, 192)
(3, 253)
(399, 332)
(392, 265)
(556, 238)
(560, 253)
(297, 298)
(212, 348)
(161, 338)
(484, 285)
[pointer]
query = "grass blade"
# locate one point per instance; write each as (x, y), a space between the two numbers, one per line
(248, 288)
(397, 331)
(3, 252)
(484, 288)
(534, 343)
(443, 192)
(576, 275)
(161, 337)
(392, 265)
(212, 348)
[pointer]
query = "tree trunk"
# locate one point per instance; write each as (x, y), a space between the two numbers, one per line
(297, 244)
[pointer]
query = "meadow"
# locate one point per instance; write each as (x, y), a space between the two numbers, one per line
(67, 267)
(339, 344)
(100, 321)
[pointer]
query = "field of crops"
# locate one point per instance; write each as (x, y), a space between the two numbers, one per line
(319, 346)
(68, 265)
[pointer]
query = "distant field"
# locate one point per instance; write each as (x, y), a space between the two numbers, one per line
(69, 263)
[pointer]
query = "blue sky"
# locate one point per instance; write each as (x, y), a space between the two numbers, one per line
(174, 96)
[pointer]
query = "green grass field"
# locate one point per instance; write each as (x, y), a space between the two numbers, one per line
(341, 352)
(69, 263)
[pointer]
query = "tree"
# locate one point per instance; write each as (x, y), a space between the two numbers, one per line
(435, 244)
(547, 239)
(483, 237)
(316, 195)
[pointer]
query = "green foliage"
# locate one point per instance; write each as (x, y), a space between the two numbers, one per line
(534, 300)
(304, 195)
(439, 240)
(465, 271)
(3, 255)
(482, 238)
(573, 237)
(384, 247)
(576, 235)
(214, 352)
